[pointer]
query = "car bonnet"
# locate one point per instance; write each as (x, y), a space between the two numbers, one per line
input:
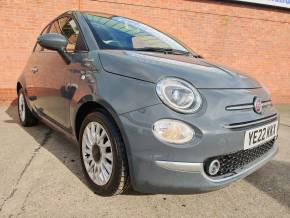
(152, 67)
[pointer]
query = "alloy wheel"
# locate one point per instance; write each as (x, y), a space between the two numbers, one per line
(97, 153)
(21, 107)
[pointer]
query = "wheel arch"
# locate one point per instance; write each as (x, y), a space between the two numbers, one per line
(83, 110)
(87, 105)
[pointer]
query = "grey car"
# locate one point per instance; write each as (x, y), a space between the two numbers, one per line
(146, 111)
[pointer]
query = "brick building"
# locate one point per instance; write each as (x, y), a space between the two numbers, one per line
(252, 38)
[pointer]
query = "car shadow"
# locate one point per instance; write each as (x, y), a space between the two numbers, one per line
(54, 142)
(274, 180)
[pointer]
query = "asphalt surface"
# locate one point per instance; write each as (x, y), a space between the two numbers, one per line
(40, 176)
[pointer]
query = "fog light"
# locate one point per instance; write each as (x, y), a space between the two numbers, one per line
(214, 167)
(173, 131)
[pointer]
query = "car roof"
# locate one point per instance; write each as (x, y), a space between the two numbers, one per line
(98, 13)
(101, 14)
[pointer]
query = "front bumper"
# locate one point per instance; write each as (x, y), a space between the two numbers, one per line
(159, 167)
(197, 170)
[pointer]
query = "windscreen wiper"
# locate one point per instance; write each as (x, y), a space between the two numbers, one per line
(164, 50)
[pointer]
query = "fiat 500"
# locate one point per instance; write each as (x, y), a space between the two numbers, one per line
(147, 111)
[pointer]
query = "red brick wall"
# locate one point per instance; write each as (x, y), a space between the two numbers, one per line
(252, 39)
(21, 22)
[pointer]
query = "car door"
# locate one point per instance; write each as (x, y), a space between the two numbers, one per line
(52, 79)
(30, 71)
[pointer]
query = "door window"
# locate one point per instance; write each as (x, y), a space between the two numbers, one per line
(57, 25)
(71, 32)
(67, 27)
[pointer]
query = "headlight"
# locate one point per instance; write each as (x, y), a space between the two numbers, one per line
(173, 131)
(179, 95)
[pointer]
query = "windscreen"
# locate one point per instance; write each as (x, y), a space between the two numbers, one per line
(126, 34)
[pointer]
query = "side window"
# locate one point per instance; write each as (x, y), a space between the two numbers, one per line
(71, 32)
(57, 25)
(68, 28)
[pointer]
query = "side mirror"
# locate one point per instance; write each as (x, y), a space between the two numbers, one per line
(55, 42)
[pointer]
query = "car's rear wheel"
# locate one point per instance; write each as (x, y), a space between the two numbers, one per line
(26, 117)
(103, 155)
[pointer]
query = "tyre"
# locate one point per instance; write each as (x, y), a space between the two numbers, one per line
(103, 155)
(26, 117)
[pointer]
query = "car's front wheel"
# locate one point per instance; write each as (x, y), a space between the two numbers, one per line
(103, 155)
(26, 117)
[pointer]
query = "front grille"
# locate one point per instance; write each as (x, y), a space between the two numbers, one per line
(231, 162)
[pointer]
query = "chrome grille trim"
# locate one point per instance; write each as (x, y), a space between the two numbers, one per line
(239, 107)
(267, 103)
(251, 122)
(246, 106)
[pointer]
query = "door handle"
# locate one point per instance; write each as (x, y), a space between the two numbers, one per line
(34, 69)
